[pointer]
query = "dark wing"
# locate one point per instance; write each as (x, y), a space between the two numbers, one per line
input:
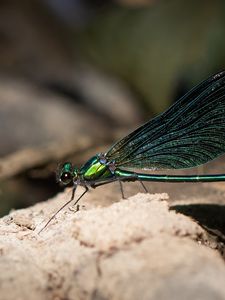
(190, 133)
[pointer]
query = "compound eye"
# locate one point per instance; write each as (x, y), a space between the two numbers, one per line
(66, 178)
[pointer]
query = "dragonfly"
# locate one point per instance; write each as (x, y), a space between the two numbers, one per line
(190, 133)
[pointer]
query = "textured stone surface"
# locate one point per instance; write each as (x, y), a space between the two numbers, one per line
(133, 249)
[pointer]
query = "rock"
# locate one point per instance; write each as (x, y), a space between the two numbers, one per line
(133, 249)
(43, 117)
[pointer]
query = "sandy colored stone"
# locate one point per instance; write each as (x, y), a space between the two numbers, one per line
(133, 249)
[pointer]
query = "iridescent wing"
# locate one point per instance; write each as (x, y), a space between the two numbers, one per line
(190, 133)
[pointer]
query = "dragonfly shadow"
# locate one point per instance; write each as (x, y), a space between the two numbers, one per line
(209, 216)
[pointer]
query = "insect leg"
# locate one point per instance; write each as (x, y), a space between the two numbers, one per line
(86, 189)
(144, 187)
(121, 189)
(52, 217)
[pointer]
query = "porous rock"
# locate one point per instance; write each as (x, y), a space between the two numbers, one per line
(133, 249)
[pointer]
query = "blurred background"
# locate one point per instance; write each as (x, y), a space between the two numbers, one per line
(76, 75)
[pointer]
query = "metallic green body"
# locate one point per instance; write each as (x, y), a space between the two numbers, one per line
(188, 134)
(96, 171)
(170, 178)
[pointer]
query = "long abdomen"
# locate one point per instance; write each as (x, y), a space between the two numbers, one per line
(132, 176)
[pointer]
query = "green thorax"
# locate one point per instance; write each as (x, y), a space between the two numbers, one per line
(95, 169)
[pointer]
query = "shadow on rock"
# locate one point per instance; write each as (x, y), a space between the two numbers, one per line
(209, 216)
